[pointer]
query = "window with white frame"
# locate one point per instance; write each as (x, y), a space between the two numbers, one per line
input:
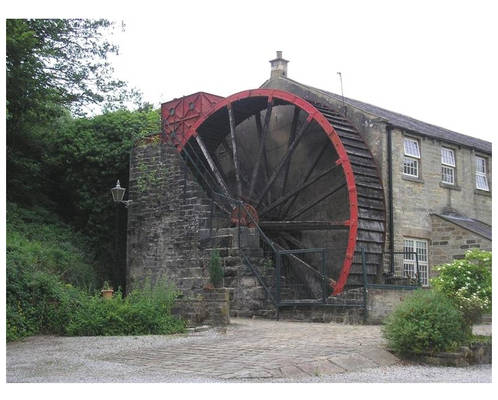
(418, 246)
(411, 158)
(481, 174)
(447, 166)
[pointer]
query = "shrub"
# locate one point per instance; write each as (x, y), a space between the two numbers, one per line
(467, 283)
(45, 259)
(426, 322)
(215, 270)
(143, 311)
(38, 302)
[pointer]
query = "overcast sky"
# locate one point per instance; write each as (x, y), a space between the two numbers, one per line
(432, 60)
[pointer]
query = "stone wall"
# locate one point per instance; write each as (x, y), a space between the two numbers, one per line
(450, 241)
(382, 302)
(169, 208)
(206, 307)
(416, 198)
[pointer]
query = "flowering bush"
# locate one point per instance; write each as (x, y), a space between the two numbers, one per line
(467, 282)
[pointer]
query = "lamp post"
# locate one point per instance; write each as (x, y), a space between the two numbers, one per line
(118, 193)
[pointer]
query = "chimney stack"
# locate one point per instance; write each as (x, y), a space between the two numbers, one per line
(278, 66)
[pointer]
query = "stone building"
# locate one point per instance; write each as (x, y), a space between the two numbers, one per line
(403, 187)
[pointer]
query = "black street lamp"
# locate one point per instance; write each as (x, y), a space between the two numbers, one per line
(118, 194)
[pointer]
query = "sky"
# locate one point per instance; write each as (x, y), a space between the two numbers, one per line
(434, 61)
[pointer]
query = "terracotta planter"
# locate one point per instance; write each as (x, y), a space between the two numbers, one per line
(107, 293)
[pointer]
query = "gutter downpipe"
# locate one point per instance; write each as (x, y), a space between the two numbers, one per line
(390, 195)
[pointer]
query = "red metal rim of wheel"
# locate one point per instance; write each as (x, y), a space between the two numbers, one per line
(343, 159)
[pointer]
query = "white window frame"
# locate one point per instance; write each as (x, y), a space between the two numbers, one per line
(448, 165)
(481, 174)
(411, 157)
(421, 247)
(412, 148)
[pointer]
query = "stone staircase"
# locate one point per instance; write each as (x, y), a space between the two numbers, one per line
(247, 295)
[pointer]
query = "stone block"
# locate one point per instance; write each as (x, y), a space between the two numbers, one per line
(352, 362)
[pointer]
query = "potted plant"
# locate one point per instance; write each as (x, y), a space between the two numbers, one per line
(107, 291)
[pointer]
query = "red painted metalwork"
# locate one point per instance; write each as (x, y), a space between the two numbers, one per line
(313, 113)
(179, 115)
(240, 216)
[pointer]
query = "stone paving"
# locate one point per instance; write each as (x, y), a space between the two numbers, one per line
(246, 349)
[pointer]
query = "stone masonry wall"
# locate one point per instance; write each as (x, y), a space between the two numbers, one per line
(381, 302)
(450, 241)
(207, 307)
(416, 198)
(168, 210)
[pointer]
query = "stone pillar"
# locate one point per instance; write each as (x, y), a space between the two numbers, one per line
(168, 210)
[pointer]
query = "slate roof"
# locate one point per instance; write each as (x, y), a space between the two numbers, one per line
(412, 124)
(470, 224)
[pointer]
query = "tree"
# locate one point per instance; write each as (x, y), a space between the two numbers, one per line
(53, 66)
(87, 156)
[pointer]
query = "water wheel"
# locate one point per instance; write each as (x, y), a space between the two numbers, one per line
(303, 169)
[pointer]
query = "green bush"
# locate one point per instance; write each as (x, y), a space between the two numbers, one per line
(467, 283)
(45, 259)
(426, 322)
(38, 302)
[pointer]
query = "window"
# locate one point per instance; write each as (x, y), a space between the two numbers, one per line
(481, 174)
(447, 166)
(418, 246)
(411, 148)
(412, 154)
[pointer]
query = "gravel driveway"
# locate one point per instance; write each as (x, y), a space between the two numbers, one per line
(247, 350)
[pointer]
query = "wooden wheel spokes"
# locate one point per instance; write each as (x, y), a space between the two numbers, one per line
(284, 159)
(262, 132)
